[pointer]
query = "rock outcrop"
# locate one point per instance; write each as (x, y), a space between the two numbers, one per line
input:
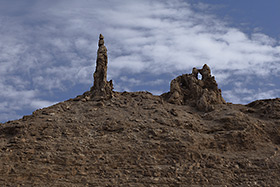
(136, 139)
(139, 139)
(101, 89)
(186, 89)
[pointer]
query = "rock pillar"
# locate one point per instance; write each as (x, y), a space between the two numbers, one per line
(102, 89)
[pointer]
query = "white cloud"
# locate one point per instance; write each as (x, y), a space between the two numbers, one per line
(19, 100)
(136, 82)
(52, 46)
(263, 39)
(41, 103)
(245, 96)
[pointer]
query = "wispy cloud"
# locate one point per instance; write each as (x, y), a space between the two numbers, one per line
(50, 46)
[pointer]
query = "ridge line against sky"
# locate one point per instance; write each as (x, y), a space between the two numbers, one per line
(48, 48)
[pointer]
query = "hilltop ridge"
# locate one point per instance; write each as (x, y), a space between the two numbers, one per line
(188, 136)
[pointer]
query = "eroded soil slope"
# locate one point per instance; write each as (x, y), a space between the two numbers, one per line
(137, 139)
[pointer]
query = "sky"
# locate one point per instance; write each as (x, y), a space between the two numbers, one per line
(48, 47)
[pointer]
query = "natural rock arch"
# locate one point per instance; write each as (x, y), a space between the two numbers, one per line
(188, 89)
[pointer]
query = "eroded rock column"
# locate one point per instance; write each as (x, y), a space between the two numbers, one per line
(102, 89)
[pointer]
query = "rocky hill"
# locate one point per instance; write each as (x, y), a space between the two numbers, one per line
(188, 136)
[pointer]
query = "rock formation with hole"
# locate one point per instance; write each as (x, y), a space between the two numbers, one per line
(101, 89)
(140, 139)
(204, 94)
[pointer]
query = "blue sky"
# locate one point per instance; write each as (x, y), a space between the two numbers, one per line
(48, 48)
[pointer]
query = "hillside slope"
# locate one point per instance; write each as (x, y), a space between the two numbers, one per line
(188, 136)
(137, 139)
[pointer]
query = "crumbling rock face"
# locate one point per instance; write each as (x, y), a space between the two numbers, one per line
(102, 89)
(188, 89)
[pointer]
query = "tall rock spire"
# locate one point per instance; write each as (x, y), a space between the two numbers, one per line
(102, 89)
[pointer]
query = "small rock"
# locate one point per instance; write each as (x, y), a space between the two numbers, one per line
(173, 112)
